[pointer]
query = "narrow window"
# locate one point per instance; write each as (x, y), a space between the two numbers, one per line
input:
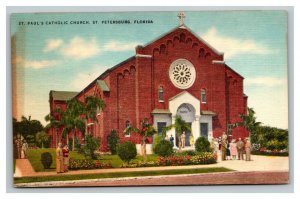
(127, 125)
(161, 94)
(160, 126)
(203, 96)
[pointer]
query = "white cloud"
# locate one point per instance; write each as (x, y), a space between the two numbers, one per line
(84, 79)
(265, 81)
(270, 105)
(119, 46)
(79, 48)
(35, 64)
(53, 44)
(232, 46)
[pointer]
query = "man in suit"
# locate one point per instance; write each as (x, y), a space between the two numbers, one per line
(240, 148)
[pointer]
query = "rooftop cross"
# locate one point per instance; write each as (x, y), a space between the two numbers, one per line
(181, 17)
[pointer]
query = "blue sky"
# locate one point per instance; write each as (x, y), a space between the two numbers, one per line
(68, 57)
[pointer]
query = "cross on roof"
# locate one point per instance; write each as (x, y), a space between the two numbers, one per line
(181, 17)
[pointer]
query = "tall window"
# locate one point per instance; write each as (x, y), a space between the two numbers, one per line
(161, 94)
(127, 124)
(160, 126)
(203, 96)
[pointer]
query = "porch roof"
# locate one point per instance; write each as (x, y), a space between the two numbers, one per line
(161, 111)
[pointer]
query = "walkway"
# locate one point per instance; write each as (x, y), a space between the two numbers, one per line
(258, 163)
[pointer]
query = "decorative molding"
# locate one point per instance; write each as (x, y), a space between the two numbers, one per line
(146, 56)
(218, 62)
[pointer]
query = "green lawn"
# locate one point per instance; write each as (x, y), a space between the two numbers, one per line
(34, 156)
(118, 175)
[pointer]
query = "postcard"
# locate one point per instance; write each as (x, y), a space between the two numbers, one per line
(150, 98)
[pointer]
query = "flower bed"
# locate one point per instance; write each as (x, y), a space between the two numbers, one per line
(177, 160)
(266, 152)
(77, 164)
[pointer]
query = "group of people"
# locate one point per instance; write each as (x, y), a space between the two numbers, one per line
(232, 150)
(62, 158)
(21, 147)
(182, 140)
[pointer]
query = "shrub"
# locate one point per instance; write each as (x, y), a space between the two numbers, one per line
(46, 159)
(91, 145)
(77, 144)
(185, 153)
(113, 140)
(202, 145)
(126, 151)
(76, 164)
(156, 139)
(164, 148)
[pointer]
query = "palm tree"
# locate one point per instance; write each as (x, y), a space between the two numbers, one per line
(146, 131)
(72, 119)
(54, 123)
(249, 121)
(180, 126)
(41, 137)
(93, 104)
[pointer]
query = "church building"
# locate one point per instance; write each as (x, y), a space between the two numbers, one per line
(176, 74)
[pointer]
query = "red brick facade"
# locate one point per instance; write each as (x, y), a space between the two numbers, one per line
(134, 85)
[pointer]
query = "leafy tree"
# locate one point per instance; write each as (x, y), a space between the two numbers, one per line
(113, 140)
(146, 131)
(180, 126)
(27, 128)
(72, 119)
(42, 138)
(54, 122)
(249, 122)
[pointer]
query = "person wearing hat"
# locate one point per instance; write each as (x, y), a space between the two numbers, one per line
(248, 149)
(240, 148)
(59, 159)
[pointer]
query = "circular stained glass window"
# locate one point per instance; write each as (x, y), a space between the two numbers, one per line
(182, 73)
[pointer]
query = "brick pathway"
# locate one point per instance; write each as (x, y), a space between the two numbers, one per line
(24, 168)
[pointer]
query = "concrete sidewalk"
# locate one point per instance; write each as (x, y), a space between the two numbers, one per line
(258, 163)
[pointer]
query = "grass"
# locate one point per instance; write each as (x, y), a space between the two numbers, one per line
(34, 156)
(119, 175)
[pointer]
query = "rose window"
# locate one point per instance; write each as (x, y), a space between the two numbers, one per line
(182, 73)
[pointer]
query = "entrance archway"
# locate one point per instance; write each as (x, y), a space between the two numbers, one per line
(187, 113)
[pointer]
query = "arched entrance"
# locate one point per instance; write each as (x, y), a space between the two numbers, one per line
(187, 113)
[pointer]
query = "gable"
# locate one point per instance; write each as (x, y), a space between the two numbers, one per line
(180, 34)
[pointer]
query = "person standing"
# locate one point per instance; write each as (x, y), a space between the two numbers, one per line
(172, 140)
(59, 159)
(248, 149)
(191, 140)
(233, 150)
(240, 149)
(183, 140)
(228, 155)
(224, 145)
(65, 152)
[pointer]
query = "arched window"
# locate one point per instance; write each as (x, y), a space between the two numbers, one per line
(161, 94)
(203, 96)
(127, 125)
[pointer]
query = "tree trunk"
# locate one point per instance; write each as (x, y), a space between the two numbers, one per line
(144, 150)
(56, 138)
(73, 141)
(42, 145)
(67, 138)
